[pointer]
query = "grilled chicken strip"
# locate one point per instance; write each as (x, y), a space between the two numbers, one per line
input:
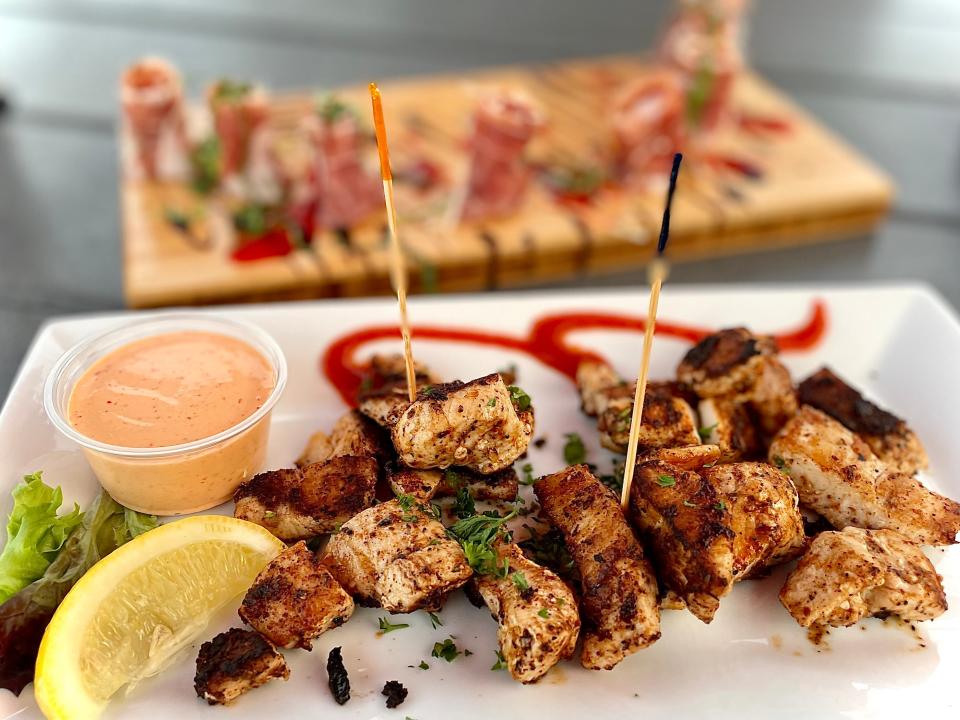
(299, 503)
(729, 424)
(295, 599)
(838, 476)
(235, 662)
(475, 425)
(426, 484)
(849, 575)
(353, 434)
(886, 434)
(761, 505)
(536, 613)
(598, 383)
(742, 367)
(687, 524)
(397, 556)
(620, 606)
(667, 421)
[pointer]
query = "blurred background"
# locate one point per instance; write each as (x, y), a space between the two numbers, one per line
(881, 74)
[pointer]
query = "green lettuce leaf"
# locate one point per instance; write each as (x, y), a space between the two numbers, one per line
(35, 533)
(106, 526)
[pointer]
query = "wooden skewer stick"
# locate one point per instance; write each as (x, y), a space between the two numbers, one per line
(398, 271)
(657, 274)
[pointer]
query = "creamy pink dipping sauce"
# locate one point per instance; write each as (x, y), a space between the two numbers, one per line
(170, 389)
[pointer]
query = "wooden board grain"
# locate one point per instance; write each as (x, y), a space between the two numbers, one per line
(813, 188)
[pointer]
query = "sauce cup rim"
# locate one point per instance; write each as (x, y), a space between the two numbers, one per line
(253, 335)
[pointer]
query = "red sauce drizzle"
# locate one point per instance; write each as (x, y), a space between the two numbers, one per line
(545, 342)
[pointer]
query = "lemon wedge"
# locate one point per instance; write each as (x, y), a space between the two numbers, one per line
(134, 611)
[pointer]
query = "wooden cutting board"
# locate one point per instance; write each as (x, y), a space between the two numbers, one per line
(801, 185)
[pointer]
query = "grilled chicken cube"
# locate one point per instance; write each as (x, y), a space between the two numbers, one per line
(536, 613)
(729, 424)
(391, 370)
(886, 434)
(353, 434)
(856, 573)
(385, 406)
(397, 556)
(234, 662)
(426, 484)
(598, 383)
(295, 599)
(762, 507)
(299, 503)
(667, 421)
(686, 522)
(743, 367)
(421, 485)
(474, 424)
(838, 476)
(621, 611)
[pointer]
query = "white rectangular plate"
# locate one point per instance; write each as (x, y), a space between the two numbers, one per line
(900, 345)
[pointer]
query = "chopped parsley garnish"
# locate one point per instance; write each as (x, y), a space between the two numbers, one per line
(405, 501)
(500, 664)
(574, 452)
(452, 478)
(779, 462)
(429, 391)
(491, 402)
(520, 580)
(231, 91)
(251, 220)
(409, 517)
(205, 165)
(447, 650)
(423, 665)
(476, 535)
(707, 431)
(721, 506)
(548, 549)
(332, 109)
(386, 626)
(544, 613)
(435, 620)
(464, 505)
(666, 481)
(687, 503)
(269, 514)
(527, 474)
(521, 401)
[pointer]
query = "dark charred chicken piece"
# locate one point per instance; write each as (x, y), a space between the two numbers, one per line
(849, 575)
(621, 613)
(536, 613)
(295, 599)
(838, 476)
(744, 368)
(667, 422)
(475, 425)
(300, 503)
(761, 505)
(685, 520)
(397, 556)
(886, 434)
(353, 434)
(235, 662)
(383, 395)
(426, 484)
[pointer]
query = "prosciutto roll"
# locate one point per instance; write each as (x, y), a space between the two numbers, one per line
(346, 192)
(703, 43)
(648, 127)
(240, 114)
(151, 97)
(502, 126)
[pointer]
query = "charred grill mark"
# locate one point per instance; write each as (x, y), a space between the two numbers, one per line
(828, 392)
(719, 353)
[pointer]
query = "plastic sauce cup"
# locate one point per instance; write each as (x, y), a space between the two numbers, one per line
(176, 479)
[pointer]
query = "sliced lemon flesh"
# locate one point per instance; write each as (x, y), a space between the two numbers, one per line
(133, 612)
